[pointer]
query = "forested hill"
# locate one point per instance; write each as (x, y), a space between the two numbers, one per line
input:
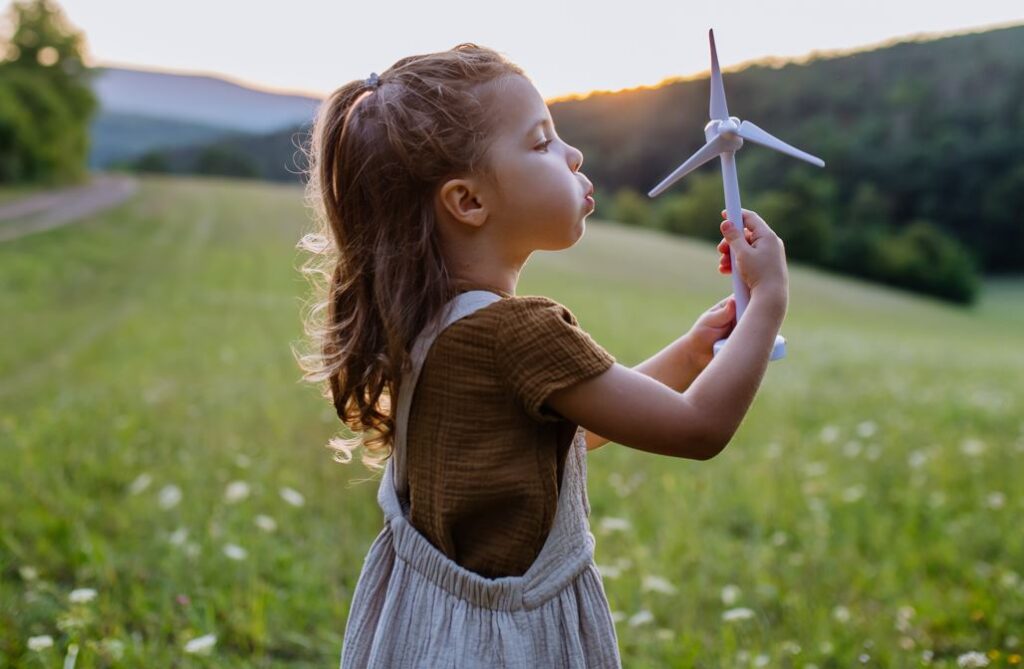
(923, 143)
(928, 131)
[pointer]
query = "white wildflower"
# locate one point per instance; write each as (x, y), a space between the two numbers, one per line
(641, 617)
(113, 647)
(82, 595)
(853, 493)
(972, 659)
(917, 459)
(292, 496)
(140, 483)
(1009, 580)
(815, 468)
(852, 448)
(995, 500)
(779, 538)
(41, 642)
(829, 433)
(791, 647)
(265, 523)
(731, 594)
(841, 614)
(611, 524)
(761, 660)
(618, 616)
(201, 644)
(236, 492)
(664, 634)
(178, 536)
(192, 549)
(863, 658)
(235, 552)
(867, 428)
(740, 613)
(972, 447)
(658, 584)
(170, 496)
(28, 573)
(609, 571)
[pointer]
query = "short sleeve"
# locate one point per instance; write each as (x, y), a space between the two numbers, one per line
(540, 348)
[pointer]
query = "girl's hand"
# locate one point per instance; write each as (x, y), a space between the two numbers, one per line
(759, 254)
(714, 324)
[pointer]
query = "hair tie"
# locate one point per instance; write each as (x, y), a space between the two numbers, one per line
(373, 80)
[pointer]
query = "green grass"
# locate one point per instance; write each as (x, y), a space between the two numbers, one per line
(878, 468)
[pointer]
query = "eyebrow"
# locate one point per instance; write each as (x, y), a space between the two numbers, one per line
(540, 122)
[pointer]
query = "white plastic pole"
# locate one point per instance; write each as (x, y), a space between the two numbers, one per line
(734, 211)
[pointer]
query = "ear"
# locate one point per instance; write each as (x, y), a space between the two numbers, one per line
(462, 199)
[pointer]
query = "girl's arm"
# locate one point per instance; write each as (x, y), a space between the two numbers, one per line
(641, 412)
(676, 366)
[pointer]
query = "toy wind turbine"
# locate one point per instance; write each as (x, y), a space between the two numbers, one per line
(725, 135)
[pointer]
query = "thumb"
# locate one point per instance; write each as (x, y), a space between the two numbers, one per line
(731, 234)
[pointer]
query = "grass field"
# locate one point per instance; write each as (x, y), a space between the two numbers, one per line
(164, 476)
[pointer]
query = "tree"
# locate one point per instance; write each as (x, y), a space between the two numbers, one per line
(41, 70)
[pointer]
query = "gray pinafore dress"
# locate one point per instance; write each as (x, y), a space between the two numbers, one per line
(415, 607)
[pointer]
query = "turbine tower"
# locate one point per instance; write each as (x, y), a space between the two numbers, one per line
(724, 135)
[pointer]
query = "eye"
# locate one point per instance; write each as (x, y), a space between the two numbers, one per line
(544, 145)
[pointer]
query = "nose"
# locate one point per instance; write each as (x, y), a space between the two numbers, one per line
(575, 158)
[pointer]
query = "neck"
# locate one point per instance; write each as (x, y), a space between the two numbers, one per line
(480, 263)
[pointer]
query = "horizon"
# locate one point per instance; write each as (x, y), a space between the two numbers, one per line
(773, 61)
(618, 50)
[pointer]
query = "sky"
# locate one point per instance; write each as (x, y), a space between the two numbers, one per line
(566, 48)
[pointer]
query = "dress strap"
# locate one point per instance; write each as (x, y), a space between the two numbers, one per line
(458, 307)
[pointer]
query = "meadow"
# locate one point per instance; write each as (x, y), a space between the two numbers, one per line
(167, 499)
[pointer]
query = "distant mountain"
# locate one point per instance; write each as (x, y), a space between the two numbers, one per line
(199, 99)
(142, 111)
(116, 136)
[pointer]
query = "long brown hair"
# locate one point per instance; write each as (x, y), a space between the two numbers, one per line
(375, 158)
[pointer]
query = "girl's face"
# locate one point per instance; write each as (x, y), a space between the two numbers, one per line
(540, 199)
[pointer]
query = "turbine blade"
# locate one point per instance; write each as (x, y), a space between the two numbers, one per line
(719, 109)
(703, 155)
(749, 131)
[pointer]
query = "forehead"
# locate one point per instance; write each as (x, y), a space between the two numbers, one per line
(517, 105)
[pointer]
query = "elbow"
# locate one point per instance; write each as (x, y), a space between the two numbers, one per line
(711, 445)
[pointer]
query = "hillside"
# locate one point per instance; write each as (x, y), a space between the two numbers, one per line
(160, 448)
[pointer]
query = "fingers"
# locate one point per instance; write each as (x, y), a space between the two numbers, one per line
(731, 234)
(753, 221)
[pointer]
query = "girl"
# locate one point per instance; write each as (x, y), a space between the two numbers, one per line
(433, 183)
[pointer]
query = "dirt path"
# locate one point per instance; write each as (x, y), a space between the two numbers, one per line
(44, 211)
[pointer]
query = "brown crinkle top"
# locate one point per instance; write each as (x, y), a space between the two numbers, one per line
(484, 454)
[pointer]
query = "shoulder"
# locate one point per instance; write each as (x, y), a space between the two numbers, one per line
(526, 310)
